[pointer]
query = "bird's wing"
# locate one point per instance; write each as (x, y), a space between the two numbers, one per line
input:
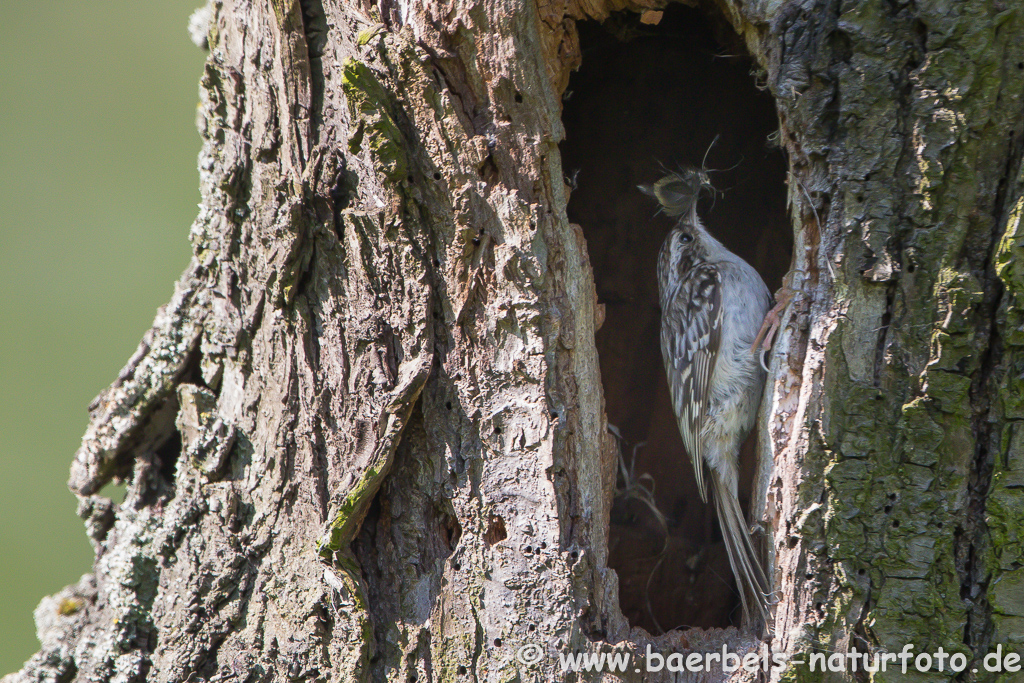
(691, 332)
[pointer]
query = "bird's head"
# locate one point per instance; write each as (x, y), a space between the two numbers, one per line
(684, 243)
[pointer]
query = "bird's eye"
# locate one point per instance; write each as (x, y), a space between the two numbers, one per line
(685, 238)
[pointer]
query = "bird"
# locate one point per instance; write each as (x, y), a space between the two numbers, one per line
(713, 304)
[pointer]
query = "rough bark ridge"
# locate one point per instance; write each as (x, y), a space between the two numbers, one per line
(365, 440)
(890, 409)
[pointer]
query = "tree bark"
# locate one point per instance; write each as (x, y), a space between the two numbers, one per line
(366, 439)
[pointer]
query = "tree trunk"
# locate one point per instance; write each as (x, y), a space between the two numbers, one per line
(367, 438)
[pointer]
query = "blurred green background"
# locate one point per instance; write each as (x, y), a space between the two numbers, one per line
(99, 186)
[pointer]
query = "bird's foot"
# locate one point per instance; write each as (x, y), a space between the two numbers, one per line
(766, 334)
(770, 326)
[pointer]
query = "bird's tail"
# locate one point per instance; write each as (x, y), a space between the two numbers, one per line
(750, 577)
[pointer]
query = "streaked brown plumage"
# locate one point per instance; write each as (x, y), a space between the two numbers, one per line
(713, 304)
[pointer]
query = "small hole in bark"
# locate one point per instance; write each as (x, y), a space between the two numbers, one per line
(895, 524)
(497, 430)
(495, 530)
(887, 509)
(448, 405)
(437, 263)
(462, 671)
(437, 176)
(1020, 65)
(938, 525)
(575, 554)
(409, 177)
(497, 642)
(531, 628)
(528, 549)
(861, 572)
(115, 490)
(791, 542)
(167, 456)
(489, 170)
(456, 565)
(519, 98)
(892, 496)
(860, 198)
(543, 545)
(476, 241)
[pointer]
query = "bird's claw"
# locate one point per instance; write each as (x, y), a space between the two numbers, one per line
(766, 335)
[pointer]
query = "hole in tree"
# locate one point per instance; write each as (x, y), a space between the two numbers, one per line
(115, 490)
(496, 532)
(167, 457)
(647, 98)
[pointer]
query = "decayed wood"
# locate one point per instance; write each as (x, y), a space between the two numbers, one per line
(366, 439)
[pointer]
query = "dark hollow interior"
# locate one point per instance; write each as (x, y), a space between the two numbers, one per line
(648, 97)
